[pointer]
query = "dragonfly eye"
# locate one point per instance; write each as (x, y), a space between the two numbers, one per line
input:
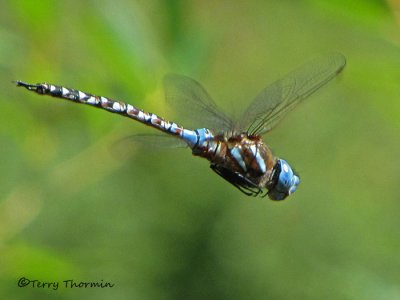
(285, 180)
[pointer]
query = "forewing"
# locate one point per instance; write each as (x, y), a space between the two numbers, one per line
(193, 104)
(272, 104)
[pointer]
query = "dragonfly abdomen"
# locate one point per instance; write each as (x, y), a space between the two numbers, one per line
(110, 105)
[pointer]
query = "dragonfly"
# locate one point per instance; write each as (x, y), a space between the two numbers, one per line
(235, 148)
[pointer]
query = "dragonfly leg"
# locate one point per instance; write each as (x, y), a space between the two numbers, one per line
(243, 184)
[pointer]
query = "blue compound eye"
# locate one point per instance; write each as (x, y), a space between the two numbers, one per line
(286, 181)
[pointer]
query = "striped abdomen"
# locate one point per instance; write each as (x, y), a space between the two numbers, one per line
(191, 137)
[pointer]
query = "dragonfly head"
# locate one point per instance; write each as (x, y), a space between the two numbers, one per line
(284, 181)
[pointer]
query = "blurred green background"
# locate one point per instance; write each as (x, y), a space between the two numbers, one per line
(159, 224)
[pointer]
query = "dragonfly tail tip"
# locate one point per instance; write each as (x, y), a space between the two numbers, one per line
(26, 85)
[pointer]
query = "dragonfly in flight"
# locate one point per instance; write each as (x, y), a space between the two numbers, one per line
(234, 148)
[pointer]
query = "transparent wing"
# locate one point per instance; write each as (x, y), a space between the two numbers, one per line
(191, 101)
(272, 104)
(151, 141)
(127, 146)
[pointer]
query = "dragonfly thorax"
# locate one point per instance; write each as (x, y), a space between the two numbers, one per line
(239, 155)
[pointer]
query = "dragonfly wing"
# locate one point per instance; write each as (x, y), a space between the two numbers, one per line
(151, 141)
(128, 146)
(190, 100)
(272, 104)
